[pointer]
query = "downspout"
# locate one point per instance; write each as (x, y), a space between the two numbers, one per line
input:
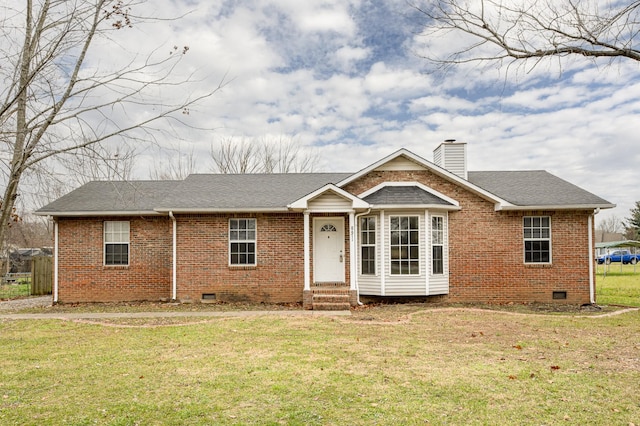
(355, 234)
(174, 284)
(55, 261)
(592, 284)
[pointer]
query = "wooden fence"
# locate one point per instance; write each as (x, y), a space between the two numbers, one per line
(41, 275)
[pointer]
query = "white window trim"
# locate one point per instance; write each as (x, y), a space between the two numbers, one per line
(104, 243)
(420, 264)
(374, 245)
(431, 245)
(524, 240)
(254, 241)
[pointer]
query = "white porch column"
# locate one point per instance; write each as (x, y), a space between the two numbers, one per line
(352, 252)
(307, 256)
(429, 253)
(383, 254)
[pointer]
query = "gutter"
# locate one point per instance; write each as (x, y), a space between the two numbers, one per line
(174, 261)
(555, 207)
(55, 261)
(224, 210)
(592, 284)
(81, 213)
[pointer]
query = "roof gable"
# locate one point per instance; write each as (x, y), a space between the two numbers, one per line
(307, 201)
(407, 155)
(408, 194)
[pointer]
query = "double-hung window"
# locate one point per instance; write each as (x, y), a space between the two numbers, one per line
(404, 245)
(368, 245)
(242, 242)
(537, 239)
(116, 243)
(437, 245)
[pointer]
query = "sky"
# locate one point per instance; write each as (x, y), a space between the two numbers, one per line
(345, 78)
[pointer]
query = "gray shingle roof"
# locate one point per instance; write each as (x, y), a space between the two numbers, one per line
(534, 188)
(404, 195)
(119, 196)
(244, 191)
(215, 192)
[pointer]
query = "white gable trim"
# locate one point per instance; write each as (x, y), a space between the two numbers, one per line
(419, 185)
(303, 203)
(499, 202)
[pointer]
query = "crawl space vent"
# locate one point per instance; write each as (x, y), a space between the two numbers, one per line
(558, 295)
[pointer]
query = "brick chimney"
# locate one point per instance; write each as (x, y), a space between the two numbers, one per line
(452, 156)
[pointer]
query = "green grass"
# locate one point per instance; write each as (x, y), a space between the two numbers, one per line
(618, 287)
(12, 291)
(421, 366)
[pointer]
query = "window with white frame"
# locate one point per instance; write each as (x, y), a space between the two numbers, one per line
(368, 245)
(437, 245)
(537, 239)
(242, 241)
(404, 245)
(116, 243)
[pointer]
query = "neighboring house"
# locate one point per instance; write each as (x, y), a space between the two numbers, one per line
(402, 226)
(608, 237)
(20, 259)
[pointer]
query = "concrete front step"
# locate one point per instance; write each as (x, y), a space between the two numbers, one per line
(330, 298)
(322, 306)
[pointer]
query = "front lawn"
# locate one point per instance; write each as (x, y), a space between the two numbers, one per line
(15, 290)
(618, 286)
(409, 364)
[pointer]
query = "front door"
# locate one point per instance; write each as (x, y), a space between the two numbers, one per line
(328, 249)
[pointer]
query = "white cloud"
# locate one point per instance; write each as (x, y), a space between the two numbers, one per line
(317, 70)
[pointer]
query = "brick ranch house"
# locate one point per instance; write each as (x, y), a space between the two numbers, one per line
(403, 226)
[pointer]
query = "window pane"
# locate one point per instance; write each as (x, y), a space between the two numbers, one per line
(395, 252)
(116, 254)
(413, 222)
(413, 237)
(395, 237)
(404, 252)
(364, 238)
(437, 260)
(404, 237)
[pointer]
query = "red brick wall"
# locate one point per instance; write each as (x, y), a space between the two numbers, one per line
(485, 255)
(203, 259)
(83, 276)
(486, 248)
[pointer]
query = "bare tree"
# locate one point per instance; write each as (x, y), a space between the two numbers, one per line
(265, 155)
(177, 167)
(235, 156)
(490, 31)
(53, 103)
(611, 224)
